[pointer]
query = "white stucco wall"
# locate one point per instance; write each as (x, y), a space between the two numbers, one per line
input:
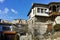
(42, 14)
(34, 12)
(57, 19)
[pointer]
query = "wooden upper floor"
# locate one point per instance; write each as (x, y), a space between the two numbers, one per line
(44, 9)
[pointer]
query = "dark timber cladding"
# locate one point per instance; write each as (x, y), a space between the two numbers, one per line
(52, 3)
(43, 5)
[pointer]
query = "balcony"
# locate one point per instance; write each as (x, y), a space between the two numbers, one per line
(42, 14)
(9, 32)
(54, 13)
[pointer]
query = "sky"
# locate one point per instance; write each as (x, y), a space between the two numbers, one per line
(18, 9)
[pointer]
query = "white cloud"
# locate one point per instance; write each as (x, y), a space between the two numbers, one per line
(14, 11)
(0, 11)
(6, 10)
(10, 17)
(1, 1)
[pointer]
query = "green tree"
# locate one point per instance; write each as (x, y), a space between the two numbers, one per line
(57, 27)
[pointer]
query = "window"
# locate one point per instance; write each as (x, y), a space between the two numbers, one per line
(58, 8)
(41, 10)
(29, 16)
(45, 10)
(6, 28)
(50, 8)
(38, 10)
(33, 11)
(54, 8)
(0, 28)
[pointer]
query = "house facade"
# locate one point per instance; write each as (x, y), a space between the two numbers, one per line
(10, 30)
(42, 18)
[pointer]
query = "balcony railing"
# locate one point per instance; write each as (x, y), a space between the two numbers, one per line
(54, 13)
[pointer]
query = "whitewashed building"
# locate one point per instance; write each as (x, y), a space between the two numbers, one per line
(42, 17)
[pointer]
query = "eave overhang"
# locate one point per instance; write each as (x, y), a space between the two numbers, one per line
(37, 5)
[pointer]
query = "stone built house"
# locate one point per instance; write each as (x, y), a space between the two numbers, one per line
(20, 26)
(42, 17)
(16, 28)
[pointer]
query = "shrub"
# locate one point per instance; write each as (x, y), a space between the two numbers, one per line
(57, 27)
